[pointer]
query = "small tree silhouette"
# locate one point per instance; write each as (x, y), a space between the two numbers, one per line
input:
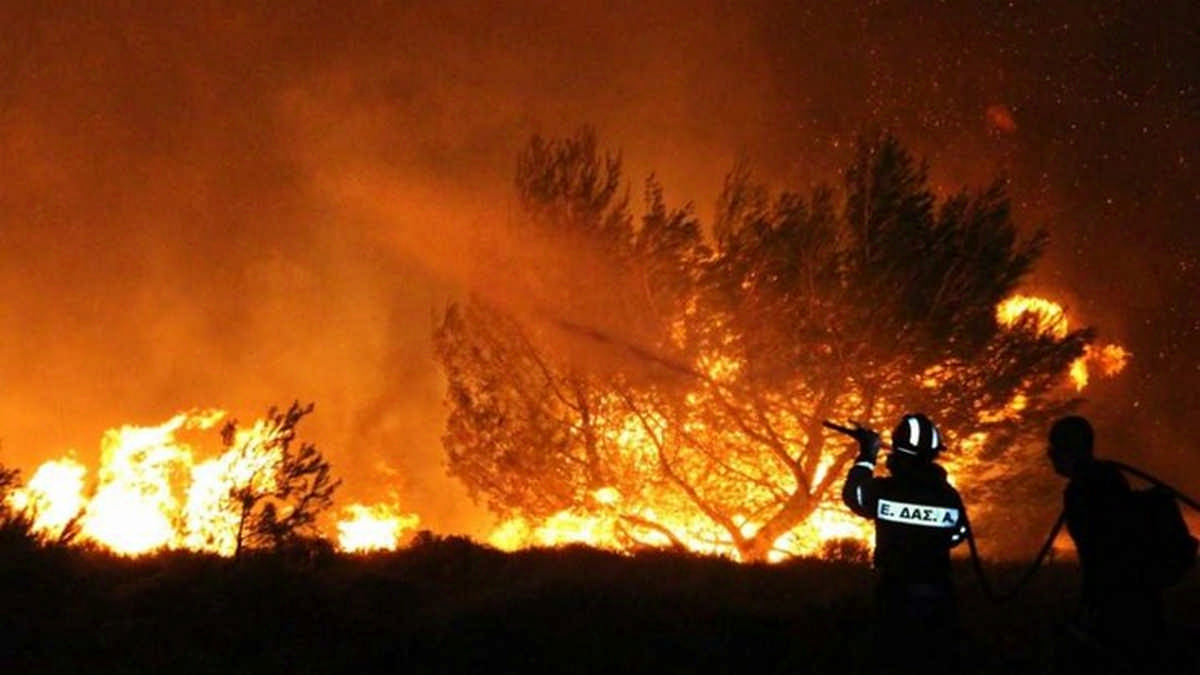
(16, 524)
(10, 479)
(285, 487)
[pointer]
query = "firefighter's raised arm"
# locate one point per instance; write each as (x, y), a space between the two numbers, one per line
(857, 492)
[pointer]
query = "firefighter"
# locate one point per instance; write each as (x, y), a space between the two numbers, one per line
(1116, 608)
(918, 518)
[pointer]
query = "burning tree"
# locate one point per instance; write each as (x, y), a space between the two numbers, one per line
(698, 425)
(277, 490)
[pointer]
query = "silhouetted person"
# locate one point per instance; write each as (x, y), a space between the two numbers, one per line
(918, 518)
(1118, 607)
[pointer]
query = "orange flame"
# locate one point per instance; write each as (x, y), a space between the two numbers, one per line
(135, 508)
(53, 495)
(1045, 315)
(373, 528)
(1048, 317)
(151, 494)
(605, 520)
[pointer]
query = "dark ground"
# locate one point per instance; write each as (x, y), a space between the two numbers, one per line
(447, 605)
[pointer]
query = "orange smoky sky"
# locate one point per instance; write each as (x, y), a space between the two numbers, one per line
(224, 204)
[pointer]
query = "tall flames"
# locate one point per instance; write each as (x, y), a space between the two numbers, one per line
(153, 491)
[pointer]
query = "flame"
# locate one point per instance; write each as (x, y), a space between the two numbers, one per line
(828, 523)
(562, 528)
(1110, 359)
(212, 513)
(1049, 318)
(614, 521)
(151, 493)
(53, 495)
(1046, 316)
(610, 531)
(373, 528)
(569, 526)
(135, 507)
(720, 368)
(608, 519)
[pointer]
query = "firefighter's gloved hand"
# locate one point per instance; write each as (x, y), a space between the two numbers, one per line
(868, 443)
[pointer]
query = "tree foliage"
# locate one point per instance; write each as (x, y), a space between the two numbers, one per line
(855, 303)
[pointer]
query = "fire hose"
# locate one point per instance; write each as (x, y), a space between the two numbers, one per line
(986, 585)
(1155, 481)
(977, 564)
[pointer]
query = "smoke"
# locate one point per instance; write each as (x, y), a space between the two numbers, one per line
(219, 206)
(228, 205)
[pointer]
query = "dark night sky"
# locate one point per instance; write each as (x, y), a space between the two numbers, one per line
(219, 206)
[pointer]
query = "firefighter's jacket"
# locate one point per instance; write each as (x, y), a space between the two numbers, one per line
(918, 518)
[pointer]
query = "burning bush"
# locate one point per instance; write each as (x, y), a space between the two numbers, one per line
(150, 493)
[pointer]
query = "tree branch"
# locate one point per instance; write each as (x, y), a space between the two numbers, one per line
(676, 542)
(707, 509)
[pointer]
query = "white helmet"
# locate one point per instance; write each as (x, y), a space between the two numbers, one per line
(915, 435)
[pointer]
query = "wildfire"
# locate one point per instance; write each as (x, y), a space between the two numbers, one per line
(135, 507)
(151, 493)
(377, 527)
(617, 522)
(54, 495)
(1045, 315)
(562, 528)
(653, 519)
(609, 530)
(1048, 317)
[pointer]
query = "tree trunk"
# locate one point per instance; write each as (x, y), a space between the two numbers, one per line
(237, 545)
(795, 511)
